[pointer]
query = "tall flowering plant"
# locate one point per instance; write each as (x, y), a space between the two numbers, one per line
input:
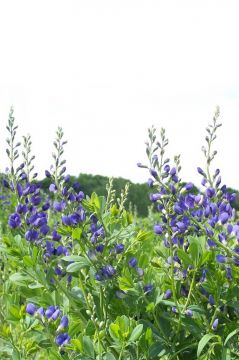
(197, 257)
(72, 270)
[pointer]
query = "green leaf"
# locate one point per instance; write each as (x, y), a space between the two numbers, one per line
(231, 335)
(226, 354)
(76, 258)
(109, 356)
(19, 279)
(125, 283)
(156, 349)
(185, 257)
(28, 261)
(114, 332)
(77, 266)
(88, 346)
(136, 333)
(76, 233)
(203, 342)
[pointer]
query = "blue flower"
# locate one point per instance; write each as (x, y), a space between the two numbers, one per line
(50, 311)
(215, 324)
(158, 229)
(211, 300)
(189, 312)
(168, 294)
(153, 172)
(64, 323)
(21, 209)
(229, 273)
(210, 192)
(223, 217)
(200, 171)
(76, 186)
(40, 312)
(14, 221)
(150, 182)
(148, 288)
(221, 259)
(119, 248)
(108, 271)
(31, 309)
(100, 248)
(132, 262)
(31, 235)
(62, 339)
(52, 188)
(56, 236)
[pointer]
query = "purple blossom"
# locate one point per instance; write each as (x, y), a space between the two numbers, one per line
(158, 229)
(189, 312)
(31, 235)
(56, 236)
(229, 273)
(168, 294)
(108, 271)
(221, 259)
(52, 188)
(148, 288)
(215, 324)
(223, 217)
(62, 339)
(119, 248)
(31, 309)
(64, 323)
(132, 262)
(14, 221)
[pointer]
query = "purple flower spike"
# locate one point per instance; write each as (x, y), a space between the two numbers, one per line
(31, 309)
(133, 262)
(215, 324)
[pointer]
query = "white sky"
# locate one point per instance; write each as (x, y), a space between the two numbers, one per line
(107, 70)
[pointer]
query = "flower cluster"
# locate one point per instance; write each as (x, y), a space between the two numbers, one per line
(52, 314)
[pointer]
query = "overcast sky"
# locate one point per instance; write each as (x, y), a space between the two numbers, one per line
(107, 70)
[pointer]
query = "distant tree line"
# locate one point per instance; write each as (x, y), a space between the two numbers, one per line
(138, 197)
